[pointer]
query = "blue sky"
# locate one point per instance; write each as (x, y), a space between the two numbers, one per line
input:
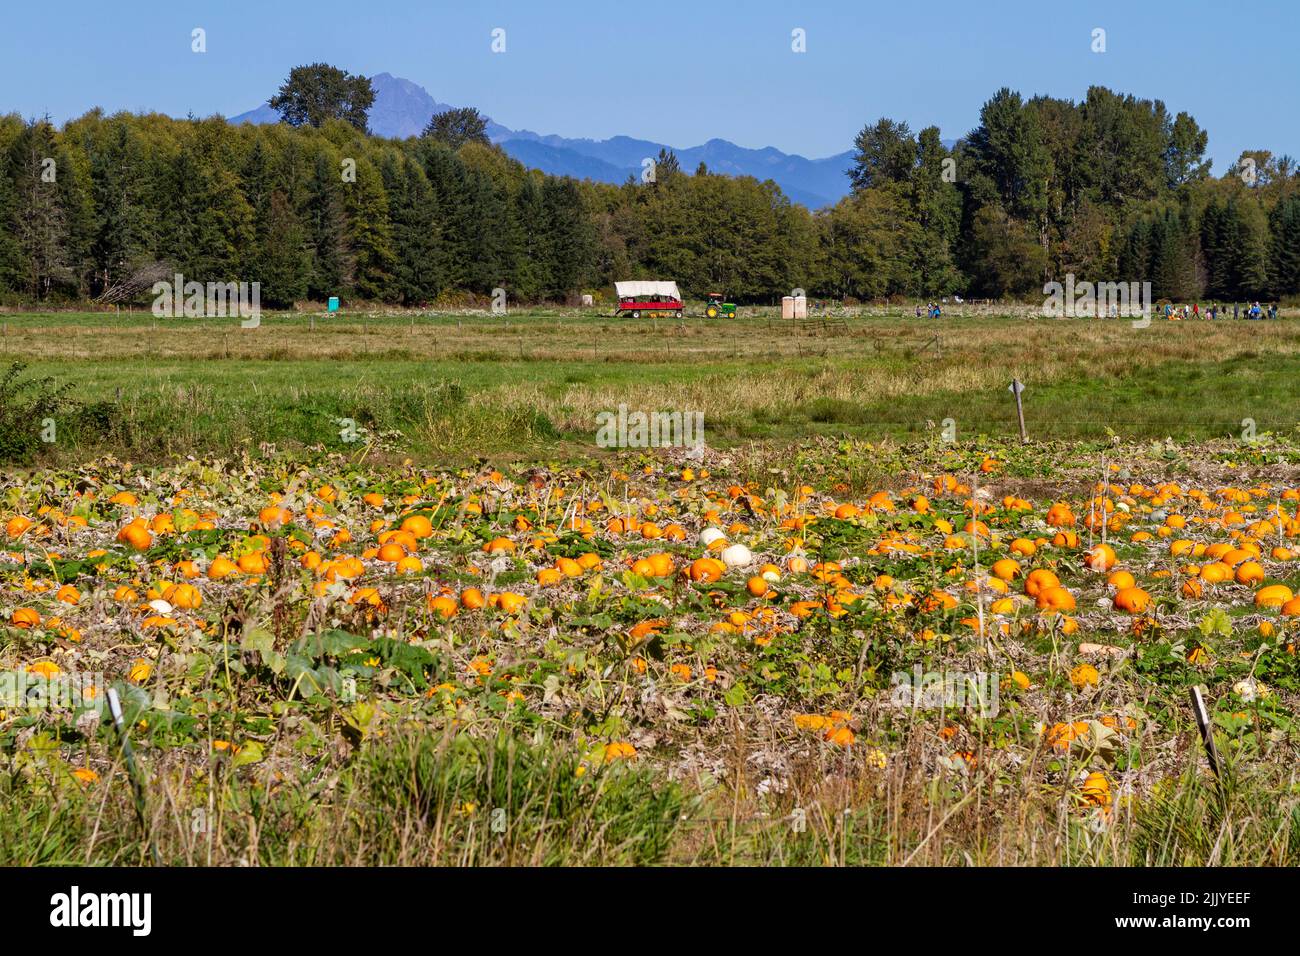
(674, 71)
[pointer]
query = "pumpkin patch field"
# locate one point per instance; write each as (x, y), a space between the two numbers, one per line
(830, 635)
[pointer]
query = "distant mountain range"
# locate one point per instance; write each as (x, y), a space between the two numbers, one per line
(402, 109)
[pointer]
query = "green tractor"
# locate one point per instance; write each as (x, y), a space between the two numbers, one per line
(716, 307)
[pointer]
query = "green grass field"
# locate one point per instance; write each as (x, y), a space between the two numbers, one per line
(452, 387)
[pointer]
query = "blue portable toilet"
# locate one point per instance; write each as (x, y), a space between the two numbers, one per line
(334, 303)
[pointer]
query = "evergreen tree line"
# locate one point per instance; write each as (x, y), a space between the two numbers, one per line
(306, 212)
(1112, 188)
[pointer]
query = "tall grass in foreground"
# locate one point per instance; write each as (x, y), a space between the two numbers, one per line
(417, 799)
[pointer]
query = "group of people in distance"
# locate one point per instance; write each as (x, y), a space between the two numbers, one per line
(1239, 311)
(932, 310)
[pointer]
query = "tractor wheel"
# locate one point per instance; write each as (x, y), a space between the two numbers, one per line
(636, 313)
(711, 312)
(678, 313)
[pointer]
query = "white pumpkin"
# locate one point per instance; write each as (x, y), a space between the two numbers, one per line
(737, 556)
(710, 535)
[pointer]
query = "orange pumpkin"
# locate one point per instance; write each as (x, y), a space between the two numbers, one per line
(1134, 600)
(1055, 599)
(1040, 580)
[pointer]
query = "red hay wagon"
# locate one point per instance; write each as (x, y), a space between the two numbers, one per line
(640, 296)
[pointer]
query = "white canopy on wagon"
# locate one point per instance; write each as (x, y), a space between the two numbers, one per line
(630, 290)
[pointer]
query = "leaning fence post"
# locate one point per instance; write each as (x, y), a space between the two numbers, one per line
(132, 771)
(1207, 731)
(1016, 387)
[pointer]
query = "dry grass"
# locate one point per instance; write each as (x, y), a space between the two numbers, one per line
(1013, 341)
(407, 802)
